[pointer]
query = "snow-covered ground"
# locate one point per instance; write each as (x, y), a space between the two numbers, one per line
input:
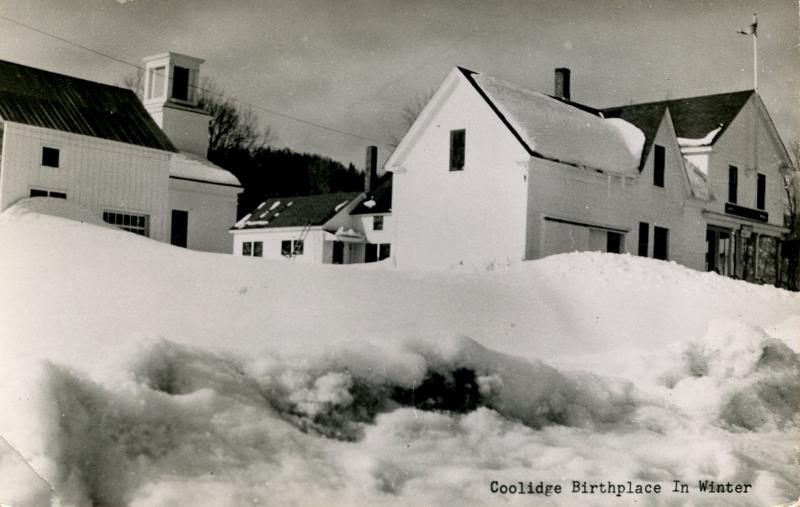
(140, 374)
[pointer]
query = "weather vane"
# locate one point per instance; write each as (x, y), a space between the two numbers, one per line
(753, 30)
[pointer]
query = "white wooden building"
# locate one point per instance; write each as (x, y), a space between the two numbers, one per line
(96, 144)
(335, 228)
(492, 173)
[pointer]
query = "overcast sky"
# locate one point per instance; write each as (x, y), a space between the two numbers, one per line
(353, 65)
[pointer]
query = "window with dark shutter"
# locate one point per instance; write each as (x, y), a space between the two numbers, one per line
(644, 238)
(733, 183)
(658, 166)
(761, 192)
(661, 243)
(457, 142)
(50, 157)
(180, 83)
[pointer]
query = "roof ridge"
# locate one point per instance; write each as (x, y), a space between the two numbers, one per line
(667, 101)
(45, 71)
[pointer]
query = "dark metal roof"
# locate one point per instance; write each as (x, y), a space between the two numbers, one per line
(381, 196)
(300, 211)
(692, 118)
(55, 101)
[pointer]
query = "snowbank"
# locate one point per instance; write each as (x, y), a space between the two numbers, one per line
(146, 375)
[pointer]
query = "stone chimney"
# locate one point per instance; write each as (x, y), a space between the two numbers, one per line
(371, 169)
(562, 83)
(170, 96)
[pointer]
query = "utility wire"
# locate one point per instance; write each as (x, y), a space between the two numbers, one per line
(205, 90)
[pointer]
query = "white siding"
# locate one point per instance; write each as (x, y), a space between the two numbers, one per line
(751, 154)
(96, 173)
(571, 194)
(212, 212)
(473, 218)
(313, 242)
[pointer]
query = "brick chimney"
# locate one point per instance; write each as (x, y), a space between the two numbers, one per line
(562, 83)
(371, 169)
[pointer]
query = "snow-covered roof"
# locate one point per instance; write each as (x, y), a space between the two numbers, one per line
(298, 211)
(189, 166)
(561, 131)
(706, 140)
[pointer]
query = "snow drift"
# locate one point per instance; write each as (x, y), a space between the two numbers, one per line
(145, 375)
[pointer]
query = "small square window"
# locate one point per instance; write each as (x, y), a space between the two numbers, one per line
(377, 223)
(286, 248)
(258, 249)
(298, 247)
(247, 248)
(35, 192)
(58, 195)
(50, 157)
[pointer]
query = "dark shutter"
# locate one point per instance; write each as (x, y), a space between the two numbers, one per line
(457, 142)
(644, 238)
(761, 192)
(660, 243)
(733, 183)
(658, 166)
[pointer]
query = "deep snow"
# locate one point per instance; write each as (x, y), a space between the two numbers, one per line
(140, 374)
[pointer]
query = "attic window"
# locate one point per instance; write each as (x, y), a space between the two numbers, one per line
(50, 157)
(658, 166)
(457, 145)
(180, 83)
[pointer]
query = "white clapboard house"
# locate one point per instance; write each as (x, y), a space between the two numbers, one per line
(335, 228)
(142, 169)
(493, 173)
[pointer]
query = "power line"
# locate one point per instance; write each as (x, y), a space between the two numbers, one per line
(213, 92)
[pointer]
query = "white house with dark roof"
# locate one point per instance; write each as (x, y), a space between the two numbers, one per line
(334, 228)
(492, 173)
(96, 144)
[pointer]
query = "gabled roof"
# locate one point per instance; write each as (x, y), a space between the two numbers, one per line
(693, 117)
(299, 211)
(379, 200)
(647, 117)
(45, 99)
(560, 130)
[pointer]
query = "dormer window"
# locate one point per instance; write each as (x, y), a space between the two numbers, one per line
(158, 76)
(180, 83)
(50, 157)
